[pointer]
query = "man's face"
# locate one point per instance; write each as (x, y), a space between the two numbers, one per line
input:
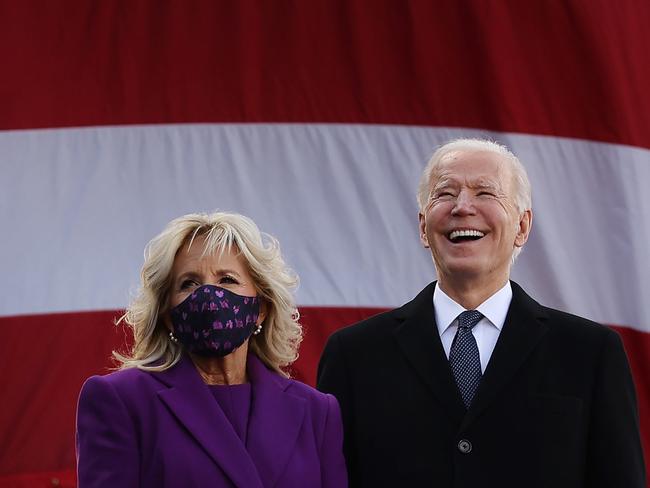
(471, 223)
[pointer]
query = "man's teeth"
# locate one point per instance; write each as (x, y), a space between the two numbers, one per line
(465, 233)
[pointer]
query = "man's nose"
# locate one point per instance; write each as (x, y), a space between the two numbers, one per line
(464, 204)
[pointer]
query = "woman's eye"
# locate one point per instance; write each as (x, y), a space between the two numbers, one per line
(188, 284)
(229, 280)
(485, 194)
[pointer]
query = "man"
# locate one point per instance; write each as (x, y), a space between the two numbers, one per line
(473, 383)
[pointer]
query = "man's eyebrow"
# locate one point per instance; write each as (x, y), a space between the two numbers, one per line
(443, 183)
(485, 184)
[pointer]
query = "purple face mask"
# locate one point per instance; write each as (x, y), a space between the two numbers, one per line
(213, 321)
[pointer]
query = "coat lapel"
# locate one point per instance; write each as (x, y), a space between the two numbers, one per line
(190, 401)
(523, 328)
(417, 336)
(275, 422)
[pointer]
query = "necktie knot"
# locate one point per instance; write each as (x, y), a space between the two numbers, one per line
(469, 318)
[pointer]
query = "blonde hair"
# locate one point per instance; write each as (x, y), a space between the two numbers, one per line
(277, 345)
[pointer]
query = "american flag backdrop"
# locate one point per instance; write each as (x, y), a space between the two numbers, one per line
(315, 119)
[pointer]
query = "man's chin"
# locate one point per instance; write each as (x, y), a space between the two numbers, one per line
(463, 267)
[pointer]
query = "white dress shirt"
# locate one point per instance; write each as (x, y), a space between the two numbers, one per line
(486, 332)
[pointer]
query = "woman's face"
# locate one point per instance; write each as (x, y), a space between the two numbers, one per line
(192, 269)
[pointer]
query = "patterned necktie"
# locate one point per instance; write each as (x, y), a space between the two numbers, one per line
(464, 358)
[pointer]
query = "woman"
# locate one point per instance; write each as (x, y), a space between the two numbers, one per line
(202, 399)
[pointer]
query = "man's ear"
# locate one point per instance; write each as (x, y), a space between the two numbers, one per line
(423, 230)
(523, 231)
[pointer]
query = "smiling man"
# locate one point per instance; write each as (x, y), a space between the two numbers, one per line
(473, 383)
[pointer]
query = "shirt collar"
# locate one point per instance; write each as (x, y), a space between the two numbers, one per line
(494, 308)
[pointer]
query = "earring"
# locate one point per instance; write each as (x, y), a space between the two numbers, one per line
(258, 329)
(172, 337)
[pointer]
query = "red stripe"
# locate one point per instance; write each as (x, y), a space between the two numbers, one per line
(51, 355)
(62, 479)
(575, 69)
(637, 346)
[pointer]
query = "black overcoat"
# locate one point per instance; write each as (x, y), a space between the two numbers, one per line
(556, 407)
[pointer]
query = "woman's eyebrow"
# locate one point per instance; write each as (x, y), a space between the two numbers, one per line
(187, 274)
(218, 272)
(223, 271)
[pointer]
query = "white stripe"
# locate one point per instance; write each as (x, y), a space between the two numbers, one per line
(78, 205)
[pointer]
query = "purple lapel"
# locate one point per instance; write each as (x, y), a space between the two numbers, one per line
(275, 421)
(191, 403)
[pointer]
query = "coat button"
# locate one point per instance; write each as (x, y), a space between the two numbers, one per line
(464, 446)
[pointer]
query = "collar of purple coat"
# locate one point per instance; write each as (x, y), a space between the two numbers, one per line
(275, 421)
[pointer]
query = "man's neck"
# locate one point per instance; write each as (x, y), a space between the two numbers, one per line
(470, 293)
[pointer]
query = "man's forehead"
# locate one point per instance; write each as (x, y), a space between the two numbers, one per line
(480, 167)
(471, 181)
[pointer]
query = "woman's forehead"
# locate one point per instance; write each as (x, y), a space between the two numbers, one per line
(208, 244)
(200, 250)
(211, 265)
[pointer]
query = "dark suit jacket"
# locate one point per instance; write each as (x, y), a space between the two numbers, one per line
(556, 406)
(141, 429)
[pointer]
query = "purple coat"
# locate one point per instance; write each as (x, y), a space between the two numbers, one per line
(141, 429)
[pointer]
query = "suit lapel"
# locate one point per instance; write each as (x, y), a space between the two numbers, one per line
(275, 422)
(417, 336)
(523, 328)
(190, 401)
